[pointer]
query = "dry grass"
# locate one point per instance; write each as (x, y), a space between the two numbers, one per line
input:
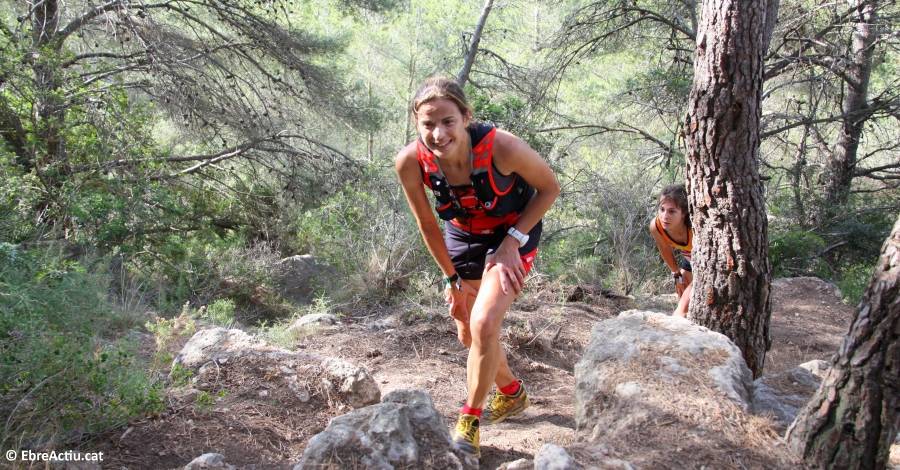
(677, 421)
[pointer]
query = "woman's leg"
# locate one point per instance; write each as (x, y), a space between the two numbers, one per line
(463, 332)
(504, 373)
(487, 359)
(684, 302)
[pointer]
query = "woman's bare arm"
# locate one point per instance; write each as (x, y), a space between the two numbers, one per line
(410, 176)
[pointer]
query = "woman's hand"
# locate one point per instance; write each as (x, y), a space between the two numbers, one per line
(679, 286)
(508, 261)
(457, 300)
(682, 281)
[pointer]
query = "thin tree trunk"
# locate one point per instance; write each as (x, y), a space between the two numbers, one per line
(853, 418)
(473, 45)
(48, 110)
(732, 272)
(842, 162)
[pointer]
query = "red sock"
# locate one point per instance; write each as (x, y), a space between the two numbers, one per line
(468, 410)
(511, 389)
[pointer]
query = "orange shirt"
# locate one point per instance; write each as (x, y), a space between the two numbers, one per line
(685, 250)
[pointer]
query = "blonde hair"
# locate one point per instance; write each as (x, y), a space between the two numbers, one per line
(437, 87)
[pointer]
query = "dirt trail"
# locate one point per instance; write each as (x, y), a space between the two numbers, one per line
(420, 350)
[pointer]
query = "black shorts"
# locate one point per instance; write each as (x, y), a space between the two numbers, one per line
(684, 264)
(469, 250)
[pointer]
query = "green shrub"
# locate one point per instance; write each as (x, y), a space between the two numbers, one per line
(796, 252)
(61, 378)
(220, 312)
(854, 280)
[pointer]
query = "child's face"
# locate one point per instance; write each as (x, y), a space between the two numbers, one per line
(670, 215)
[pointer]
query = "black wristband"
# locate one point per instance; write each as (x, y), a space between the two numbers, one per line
(451, 280)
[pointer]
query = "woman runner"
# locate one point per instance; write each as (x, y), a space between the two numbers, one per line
(492, 190)
(671, 230)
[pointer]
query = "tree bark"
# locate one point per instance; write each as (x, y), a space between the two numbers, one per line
(48, 110)
(731, 266)
(852, 420)
(842, 162)
(473, 45)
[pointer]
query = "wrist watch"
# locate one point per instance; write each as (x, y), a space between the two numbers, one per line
(521, 237)
(453, 281)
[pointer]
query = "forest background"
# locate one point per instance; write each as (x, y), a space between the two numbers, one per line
(159, 158)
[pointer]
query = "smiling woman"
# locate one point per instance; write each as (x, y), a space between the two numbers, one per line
(492, 190)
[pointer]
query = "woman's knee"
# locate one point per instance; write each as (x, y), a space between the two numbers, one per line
(484, 327)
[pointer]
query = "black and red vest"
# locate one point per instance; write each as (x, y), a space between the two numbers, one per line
(492, 200)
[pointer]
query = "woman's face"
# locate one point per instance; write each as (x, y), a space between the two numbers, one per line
(442, 126)
(670, 215)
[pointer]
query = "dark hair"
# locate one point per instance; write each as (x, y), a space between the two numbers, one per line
(677, 194)
(440, 87)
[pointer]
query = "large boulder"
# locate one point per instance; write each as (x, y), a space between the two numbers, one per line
(403, 431)
(212, 352)
(652, 390)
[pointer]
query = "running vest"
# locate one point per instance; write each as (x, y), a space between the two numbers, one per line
(685, 250)
(492, 200)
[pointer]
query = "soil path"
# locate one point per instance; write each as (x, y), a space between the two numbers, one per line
(417, 348)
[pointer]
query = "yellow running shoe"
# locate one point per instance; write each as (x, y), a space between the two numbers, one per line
(503, 406)
(466, 435)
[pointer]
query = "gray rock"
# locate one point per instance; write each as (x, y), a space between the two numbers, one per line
(352, 381)
(817, 367)
(628, 389)
(209, 461)
(616, 464)
(403, 431)
(554, 457)
(214, 344)
(521, 464)
(616, 342)
(782, 395)
(644, 373)
(209, 350)
(313, 322)
(386, 323)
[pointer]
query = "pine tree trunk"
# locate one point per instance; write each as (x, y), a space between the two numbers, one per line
(472, 51)
(853, 418)
(842, 162)
(48, 111)
(731, 267)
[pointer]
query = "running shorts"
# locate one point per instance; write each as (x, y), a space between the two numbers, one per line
(469, 250)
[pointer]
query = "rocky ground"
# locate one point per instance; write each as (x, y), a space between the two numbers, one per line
(241, 416)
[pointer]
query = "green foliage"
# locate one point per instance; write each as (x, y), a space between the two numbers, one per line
(180, 375)
(510, 113)
(854, 281)
(167, 331)
(220, 312)
(204, 401)
(359, 232)
(796, 252)
(61, 377)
